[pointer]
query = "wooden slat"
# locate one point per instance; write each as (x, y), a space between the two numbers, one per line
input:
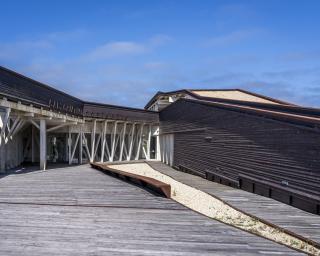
(81, 211)
(287, 217)
(156, 186)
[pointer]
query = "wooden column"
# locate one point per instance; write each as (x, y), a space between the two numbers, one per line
(80, 146)
(33, 134)
(93, 140)
(43, 145)
(69, 145)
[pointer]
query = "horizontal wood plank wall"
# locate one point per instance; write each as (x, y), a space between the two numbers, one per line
(235, 144)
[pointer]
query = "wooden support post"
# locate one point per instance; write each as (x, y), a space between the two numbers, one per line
(96, 147)
(13, 127)
(69, 146)
(113, 141)
(18, 128)
(4, 124)
(131, 142)
(93, 140)
(139, 142)
(32, 144)
(80, 146)
(122, 141)
(103, 144)
(86, 145)
(43, 144)
(149, 143)
(74, 148)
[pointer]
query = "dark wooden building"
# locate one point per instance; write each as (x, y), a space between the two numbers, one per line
(271, 150)
(234, 137)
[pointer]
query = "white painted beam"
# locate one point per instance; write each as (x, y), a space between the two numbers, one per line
(93, 139)
(86, 145)
(60, 126)
(74, 148)
(69, 146)
(32, 144)
(122, 140)
(80, 147)
(139, 142)
(96, 147)
(113, 141)
(43, 145)
(35, 124)
(149, 143)
(103, 145)
(131, 141)
(4, 124)
(18, 128)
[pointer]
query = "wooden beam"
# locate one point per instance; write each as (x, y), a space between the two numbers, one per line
(93, 139)
(74, 148)
(43, 145)
(86, 145)
(4, 123)
(80, 146)
(149, 143)
(34, 123)
(32, 143)
(60, 126)
(113, 141)
(132, 137)
(104, 131)
(139, 142)
(122, 140)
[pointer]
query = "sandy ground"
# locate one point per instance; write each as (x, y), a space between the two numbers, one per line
(209, 206)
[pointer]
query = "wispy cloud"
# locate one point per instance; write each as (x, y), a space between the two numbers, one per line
(121, 48)
(231, 38)
(127, 48)
(159, 40)
(299, 56)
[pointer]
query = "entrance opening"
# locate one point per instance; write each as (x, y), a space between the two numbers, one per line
(57, 147)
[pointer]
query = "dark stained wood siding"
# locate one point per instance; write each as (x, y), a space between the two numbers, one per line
(17, 87)
(96, 110)
(235, 143)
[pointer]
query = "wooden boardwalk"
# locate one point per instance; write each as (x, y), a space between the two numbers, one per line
(293, 219)
(81, 211)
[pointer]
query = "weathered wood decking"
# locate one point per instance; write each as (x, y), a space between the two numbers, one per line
(81, 211)
(285, 216)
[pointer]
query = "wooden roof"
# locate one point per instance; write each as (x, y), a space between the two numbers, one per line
(233, 95)
(225, 95)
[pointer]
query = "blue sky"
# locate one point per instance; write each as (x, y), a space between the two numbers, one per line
(122, 52)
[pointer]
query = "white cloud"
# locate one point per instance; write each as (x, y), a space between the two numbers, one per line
(128, 48)
(113, 49)
(231, 38)
(159, 40)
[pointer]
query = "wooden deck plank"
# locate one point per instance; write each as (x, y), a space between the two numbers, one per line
(286, 216)
(81, 211)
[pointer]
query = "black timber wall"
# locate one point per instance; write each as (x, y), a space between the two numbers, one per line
(267, 157)
(17, 87)
(97, 110)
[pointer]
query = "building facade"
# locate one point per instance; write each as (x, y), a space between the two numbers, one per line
(233, 137)
(41, 124)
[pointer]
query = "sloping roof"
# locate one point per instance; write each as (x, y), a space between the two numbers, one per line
(225, 95)
(234, 95)
(307, 117)
(19, 88)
